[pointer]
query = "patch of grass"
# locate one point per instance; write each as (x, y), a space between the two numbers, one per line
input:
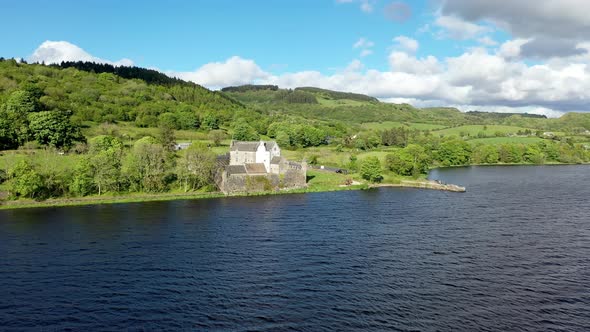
(379, 154)
(474, 130)
(128, 131)
(394, 124)
(339, 102)
(502, 140)
(45, 159)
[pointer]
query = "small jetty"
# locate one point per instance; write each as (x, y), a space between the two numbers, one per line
(424, 184)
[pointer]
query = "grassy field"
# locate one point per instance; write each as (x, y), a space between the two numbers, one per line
(339, 102)
(394, 124)
(129, 131)
(502, 140)
(473, 130)
(328, 156)
(325, 181)
(45, 159)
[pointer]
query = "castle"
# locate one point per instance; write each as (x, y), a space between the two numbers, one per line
(258, 166)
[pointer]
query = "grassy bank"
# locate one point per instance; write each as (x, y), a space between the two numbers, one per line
(319, 181)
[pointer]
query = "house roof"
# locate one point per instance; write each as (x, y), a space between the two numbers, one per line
(251, 146)
(235, 169)
(275, 160)
(255, 168)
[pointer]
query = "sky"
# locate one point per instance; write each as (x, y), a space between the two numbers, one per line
(502, 55)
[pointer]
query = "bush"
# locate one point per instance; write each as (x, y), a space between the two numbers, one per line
(216, 136)
(371, 169)
(25, 181)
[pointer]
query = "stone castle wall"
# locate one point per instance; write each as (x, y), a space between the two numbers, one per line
(289, 178)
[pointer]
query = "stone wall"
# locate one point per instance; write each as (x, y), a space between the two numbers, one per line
(243, 183)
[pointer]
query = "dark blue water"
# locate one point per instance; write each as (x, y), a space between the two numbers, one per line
(511, 254)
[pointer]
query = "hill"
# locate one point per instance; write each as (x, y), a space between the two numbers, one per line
(103, 93)
(337, 95)
(356, 109)
(97, 93)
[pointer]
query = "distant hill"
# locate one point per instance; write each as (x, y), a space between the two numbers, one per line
(330, 94)
(250, 87)
(506, 115)
(97, 93)
(150, 76)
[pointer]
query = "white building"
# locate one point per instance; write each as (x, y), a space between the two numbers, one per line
(255, 155)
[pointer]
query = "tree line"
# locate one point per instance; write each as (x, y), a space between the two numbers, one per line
(149, 166)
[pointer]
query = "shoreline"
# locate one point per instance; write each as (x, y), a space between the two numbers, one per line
(424, 184)
(122, 199)
(138, 198)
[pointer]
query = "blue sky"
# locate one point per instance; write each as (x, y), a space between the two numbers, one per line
(287, 35)
(465, 53)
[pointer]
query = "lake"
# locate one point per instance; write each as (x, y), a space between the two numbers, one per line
(512, 253)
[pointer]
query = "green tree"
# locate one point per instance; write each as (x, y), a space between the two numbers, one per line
(484, 154)
(371, 169)
(196, 168)
(313, 136)
(106, 154)
(25, 181)
(54, 128)
(146, 166)
(454, 152)
(168, 120)
(534, 155)
(216, 136)
(8, 134)
(245, 132)
(411, 160)
(17, 108)
(83, 182)
(187, 120)
(211, 121)
(283, 139)
(511, 153)
(167, 137)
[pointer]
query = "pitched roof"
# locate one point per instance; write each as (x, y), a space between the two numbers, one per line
(275, 160)
(255, 168)
(235, 169)
(244, 146)
(251, 146)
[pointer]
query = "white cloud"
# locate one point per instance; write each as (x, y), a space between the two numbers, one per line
(233, 71)
(402, 62)
(456, 28)
(354, 66)
(407, 44)
(487, 41)
(365, 45)
(365, 53)
(553, 28)
(475, 80)
(366, 6)
(58, 51)
(511, 48)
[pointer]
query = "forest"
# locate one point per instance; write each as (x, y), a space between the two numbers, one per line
(83, 129)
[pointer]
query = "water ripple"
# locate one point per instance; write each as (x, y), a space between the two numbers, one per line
(511, 254)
